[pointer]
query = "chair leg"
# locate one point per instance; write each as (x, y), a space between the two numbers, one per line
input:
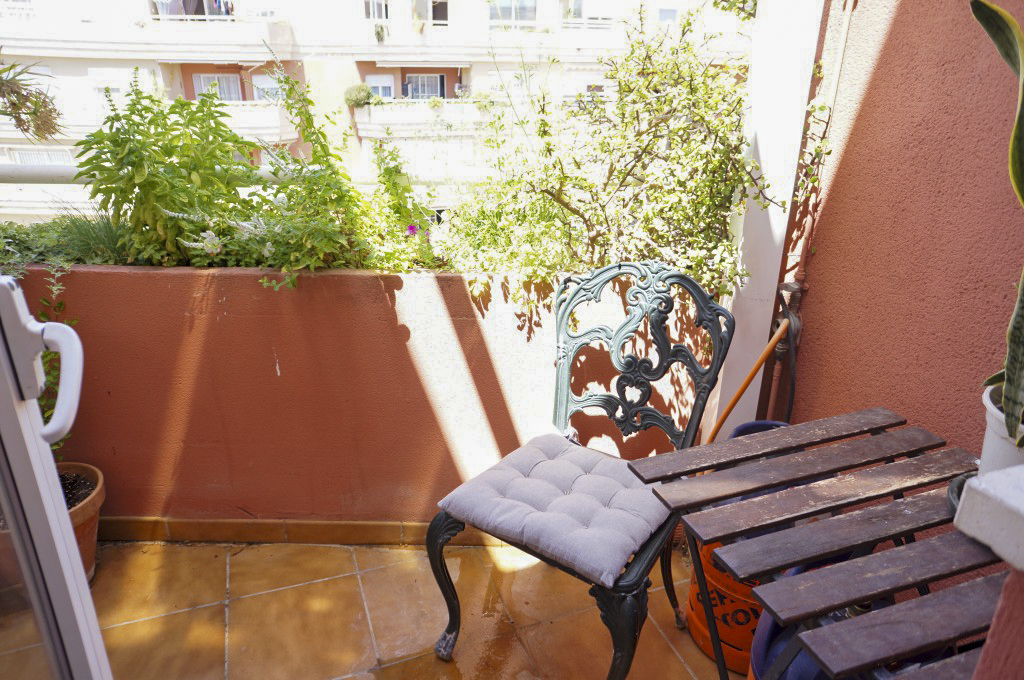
(441, 530)
(670, 586)
(624, 614)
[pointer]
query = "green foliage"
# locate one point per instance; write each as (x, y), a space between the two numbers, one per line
(29, 107)
(651, 166)
(151, 164)
(53, 310)
(90, 239)
(745, 9)
(358, 95)
(22, 245)
(399, 232)
(1009, 40)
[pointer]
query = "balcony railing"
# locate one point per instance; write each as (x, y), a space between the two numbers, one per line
(261, 120)
(212, 10)
(417, 117)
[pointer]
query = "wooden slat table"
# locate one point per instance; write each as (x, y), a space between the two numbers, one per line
(822, 468)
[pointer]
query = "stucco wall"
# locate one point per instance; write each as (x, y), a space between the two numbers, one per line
(920, 240)
(358, 396)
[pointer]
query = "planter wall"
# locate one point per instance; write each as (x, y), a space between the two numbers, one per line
(358, 397)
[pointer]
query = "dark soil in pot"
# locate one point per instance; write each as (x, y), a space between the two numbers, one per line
(76, 489)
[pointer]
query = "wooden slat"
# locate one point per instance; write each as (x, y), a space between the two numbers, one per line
(764, 555)
(687, 461)
(817, 592)
(905, 629)
(694, 492)
(959, 667)
(716, 524)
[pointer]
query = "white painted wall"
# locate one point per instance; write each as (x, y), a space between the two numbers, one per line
(784, 43)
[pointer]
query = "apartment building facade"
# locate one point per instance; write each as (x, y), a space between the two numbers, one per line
(427, 62)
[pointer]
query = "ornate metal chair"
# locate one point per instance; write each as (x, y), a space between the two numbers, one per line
(577, 509)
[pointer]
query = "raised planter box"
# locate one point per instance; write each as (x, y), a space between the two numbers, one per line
(342, 411)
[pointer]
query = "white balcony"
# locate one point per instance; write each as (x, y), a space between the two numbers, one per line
(418, 118)
(264, 121)
(126, 29)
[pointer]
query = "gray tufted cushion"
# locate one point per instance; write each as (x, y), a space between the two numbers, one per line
(581, 508)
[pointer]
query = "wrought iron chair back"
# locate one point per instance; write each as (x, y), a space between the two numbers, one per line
(650, 297)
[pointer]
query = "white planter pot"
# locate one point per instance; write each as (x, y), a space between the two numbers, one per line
(997, 451)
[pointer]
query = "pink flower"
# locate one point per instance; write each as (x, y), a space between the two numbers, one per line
(412, 229)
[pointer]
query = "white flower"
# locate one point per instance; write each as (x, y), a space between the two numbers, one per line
(268, 249)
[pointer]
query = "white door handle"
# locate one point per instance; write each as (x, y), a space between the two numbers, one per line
(60, 338)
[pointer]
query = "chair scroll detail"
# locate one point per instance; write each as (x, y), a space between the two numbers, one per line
(577, 509)
(650, 297)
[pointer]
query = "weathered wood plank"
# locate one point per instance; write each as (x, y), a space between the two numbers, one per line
(764, 555)
(716, 524)
(912, 627)
(959, 667)
(817, 592)
(694, 492)
(698, 458)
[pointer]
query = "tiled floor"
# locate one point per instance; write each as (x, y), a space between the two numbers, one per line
(315, 611)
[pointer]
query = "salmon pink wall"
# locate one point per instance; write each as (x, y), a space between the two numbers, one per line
(358, 396)
(920, 240)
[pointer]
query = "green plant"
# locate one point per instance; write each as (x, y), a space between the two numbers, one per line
(52, 311)
(399, 231)
(30, 108)
(435, 103)
(380, 32)
(90, 239)
(22, 245)
(745, 9)
(358, 95)
(152, 164)
(652, 165)
(1009, 40)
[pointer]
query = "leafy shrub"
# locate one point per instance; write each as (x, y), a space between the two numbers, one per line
(653, 165)
(152, 164)
(358, 95)
(399, 231)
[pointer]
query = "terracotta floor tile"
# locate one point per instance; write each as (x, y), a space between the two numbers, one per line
(408, 612)
(702, 666)
(493, 658)
(25, 664)
(318, 630)
(375, 558)
(183, 646)
(258, 568)
(139, 580)
(579, 646)
(538, 592)
(681, 568)
(18, 626)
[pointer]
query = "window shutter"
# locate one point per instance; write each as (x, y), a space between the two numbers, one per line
(440, 80)
(405, 89)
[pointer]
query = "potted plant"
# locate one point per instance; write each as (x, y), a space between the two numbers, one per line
(1004, 397)
(83, 485)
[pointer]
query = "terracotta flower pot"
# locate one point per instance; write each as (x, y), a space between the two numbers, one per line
(85, 517)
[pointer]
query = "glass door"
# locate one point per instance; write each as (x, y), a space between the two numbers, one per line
(48, 626)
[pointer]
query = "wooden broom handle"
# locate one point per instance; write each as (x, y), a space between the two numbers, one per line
(769, 348)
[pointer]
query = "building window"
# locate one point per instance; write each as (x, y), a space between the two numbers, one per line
(514, 10)
(382, 86)
(265, 88)
(229, 85)
(376, 9)
(594, 10)
(424, 86)
(439, 12)
(667, 15)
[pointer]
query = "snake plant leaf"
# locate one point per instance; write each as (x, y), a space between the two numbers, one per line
(995, 379)
(1009, 40)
